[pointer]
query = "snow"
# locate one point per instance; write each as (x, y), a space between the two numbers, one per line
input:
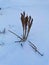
(12, 53)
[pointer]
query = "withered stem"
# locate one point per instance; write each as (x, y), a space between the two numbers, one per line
(15, 34)
(35, 48)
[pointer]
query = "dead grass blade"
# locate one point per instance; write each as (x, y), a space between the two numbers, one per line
(34, 47)
(26, 21)
(15, 34)
(32, 44)
(30, 21)
(21, 39)
(23, 21)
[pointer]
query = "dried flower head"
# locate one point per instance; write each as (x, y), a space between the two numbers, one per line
(26, 24)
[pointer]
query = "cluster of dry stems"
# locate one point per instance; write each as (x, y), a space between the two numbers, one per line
(26, 24)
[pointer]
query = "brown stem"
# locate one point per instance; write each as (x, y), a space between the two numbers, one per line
(35, 48)
(15, 34)
(32, 44)
(22, 39)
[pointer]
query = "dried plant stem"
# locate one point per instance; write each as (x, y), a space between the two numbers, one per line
(18, 41)
(26, 21)
(39, 53)
(29, 26)
(21, 39)
(23, 31)
(15, 34)
(32, 44)
(23, 21)
(35, 48)
(28, 33)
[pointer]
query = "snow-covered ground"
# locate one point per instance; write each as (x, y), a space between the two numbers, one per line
(12, 53)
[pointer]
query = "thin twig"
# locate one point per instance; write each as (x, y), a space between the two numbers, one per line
(15, 34)
(32, 44)
(35, 48)
(21, 39)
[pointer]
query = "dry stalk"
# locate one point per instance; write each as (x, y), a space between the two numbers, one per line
(35, 48)
(26, 25)
(23, 22)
